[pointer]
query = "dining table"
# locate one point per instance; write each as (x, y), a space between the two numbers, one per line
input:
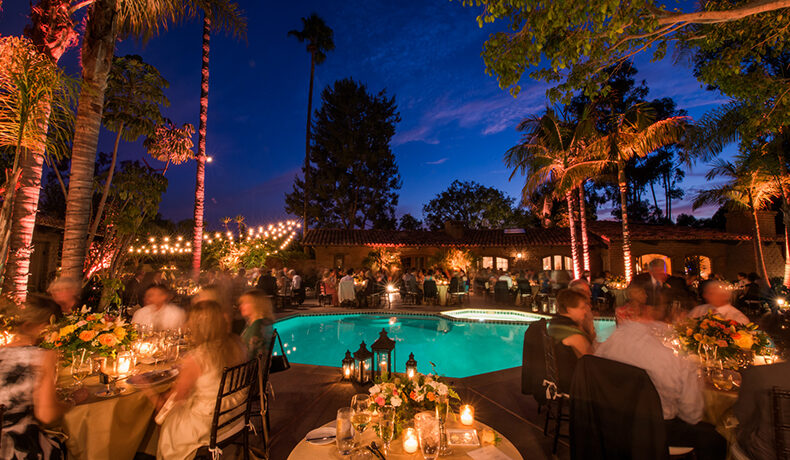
(307, 451)
(109, 428)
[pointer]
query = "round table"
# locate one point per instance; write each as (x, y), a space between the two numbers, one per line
(307, 451)
(108, 428)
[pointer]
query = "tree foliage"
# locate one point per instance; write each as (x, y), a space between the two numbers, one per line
(475, 205)
(409, 222)
(353, 170)
(318, 35)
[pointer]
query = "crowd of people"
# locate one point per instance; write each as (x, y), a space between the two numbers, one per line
(220, 334)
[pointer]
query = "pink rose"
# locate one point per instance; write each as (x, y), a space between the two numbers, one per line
(380, 401)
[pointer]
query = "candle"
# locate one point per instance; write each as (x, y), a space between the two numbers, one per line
(467, 415)
(347, 372)
(410, 373)
(124, 364)
(383, 368)
(410, 443)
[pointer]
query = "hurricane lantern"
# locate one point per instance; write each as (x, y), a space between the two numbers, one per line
(383, 350)
(411, 366)
(363, 365)
(348, 366)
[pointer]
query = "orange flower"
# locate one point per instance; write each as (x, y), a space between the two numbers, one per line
(721, 343)
(413, 395)
(108, 340)
(689, 331)
(53, 337)
(87, 336)
(430, 396)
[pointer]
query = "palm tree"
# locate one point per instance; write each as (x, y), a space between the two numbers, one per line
(107, 21)
(749, 187)
(31, 86)
(634, 134)
(135, 91)
(319, 39)
(583, 223)
(548, 155)
(227, 16)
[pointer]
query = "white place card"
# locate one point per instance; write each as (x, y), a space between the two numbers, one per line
(488, 453)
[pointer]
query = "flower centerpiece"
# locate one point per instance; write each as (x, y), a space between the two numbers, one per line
(616, 282)
(730, 338)
(410, 396)
(98, 333)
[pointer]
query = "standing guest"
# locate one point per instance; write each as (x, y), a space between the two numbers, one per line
(329, 281)
(27, 376)
(345, 288)
(297, 287)
(257, 310)
(268, 283)
(656, 280)
(632, 309)
(66, 293)
(638, 343)
(187, 409)
(718, 296)
(132, 291)
(159, 313)
(150, 279)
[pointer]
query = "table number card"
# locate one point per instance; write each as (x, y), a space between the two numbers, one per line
(488, 453)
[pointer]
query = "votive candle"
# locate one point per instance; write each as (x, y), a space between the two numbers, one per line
(467, 415)
(410, 442)
(124, 364)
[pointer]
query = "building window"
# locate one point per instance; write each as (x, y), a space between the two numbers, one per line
(501, 263)
(557, 262)
(339, 261)
(488, 262)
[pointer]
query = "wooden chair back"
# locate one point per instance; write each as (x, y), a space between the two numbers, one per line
(781, 417)
(232, 409)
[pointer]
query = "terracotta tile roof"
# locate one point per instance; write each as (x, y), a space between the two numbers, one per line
(609, 230)
(49, 221)
(470, 238)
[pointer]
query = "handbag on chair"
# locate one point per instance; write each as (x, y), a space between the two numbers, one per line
(279, 362)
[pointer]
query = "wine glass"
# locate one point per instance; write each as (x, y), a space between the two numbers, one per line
(108, 375)
(81, 366)
(361, 414)
(387, 425)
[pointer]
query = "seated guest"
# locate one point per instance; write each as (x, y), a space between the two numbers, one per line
(580, 285)
(545, 283)
(676, 379)
(186, 411)
(411, 285)
(28, 375)
(256, 309)
(755, 432)
(429, 289)
(718, 298)
(345, 288)
(66, 293)
(268, 283)
(632, 309)
(742, 280)
(574, 326)
(158, 312)
(505, 276)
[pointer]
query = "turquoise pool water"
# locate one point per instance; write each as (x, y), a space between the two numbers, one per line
(458, 347)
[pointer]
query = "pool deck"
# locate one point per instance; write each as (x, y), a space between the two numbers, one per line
(306, 397)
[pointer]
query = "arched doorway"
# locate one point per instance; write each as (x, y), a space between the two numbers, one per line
(644, 260)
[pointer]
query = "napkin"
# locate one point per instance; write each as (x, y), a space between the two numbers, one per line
(488, 453)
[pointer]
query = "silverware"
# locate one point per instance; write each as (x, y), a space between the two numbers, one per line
(323, 438)
(375, 449)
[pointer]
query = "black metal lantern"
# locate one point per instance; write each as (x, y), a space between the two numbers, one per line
(348, 366)
(383, 363)
(363, 365)
(411, 367)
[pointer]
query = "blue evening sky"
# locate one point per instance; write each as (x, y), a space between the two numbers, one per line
(456, 122)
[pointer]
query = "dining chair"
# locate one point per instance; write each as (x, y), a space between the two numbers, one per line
(556, 408)
(260, 399)
(231, 418)
(781, 407)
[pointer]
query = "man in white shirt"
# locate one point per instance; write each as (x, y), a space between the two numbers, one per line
(345, 288)
(718, 297)
(676, 379)
(158, 312)
(505, 276)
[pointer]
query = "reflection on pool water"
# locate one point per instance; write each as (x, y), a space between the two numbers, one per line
(458, 347)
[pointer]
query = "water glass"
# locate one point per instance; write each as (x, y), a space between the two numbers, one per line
(344, 438)
(430, 436)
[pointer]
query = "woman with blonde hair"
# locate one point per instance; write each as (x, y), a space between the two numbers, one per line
(256, 309)
(187, 409)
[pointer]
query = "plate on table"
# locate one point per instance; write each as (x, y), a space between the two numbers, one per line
(322, 436)
(152, 378)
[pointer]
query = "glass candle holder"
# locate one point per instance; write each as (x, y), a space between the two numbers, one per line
(467, 415)
(410, 441)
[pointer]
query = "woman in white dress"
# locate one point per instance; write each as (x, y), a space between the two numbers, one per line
(187, 409)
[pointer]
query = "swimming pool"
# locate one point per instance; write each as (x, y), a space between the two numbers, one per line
(459, 346)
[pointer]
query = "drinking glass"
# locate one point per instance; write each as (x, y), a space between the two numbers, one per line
(361, 414)
(428, 431)
(344, 438)
(387, 425)
(108, 376)
(81, 366)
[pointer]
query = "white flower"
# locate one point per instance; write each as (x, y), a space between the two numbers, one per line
(375, 389)
(395, 401)
(442, 389)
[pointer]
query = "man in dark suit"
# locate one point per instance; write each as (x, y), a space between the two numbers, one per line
(656, 280)
(755, 432)
(268, 283)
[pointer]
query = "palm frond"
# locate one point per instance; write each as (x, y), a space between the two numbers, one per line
(715, 130)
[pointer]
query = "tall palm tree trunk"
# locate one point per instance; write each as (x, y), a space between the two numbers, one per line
(574, 243)
(583, 222)
(200, 179)
(101, 31)
(9, 196)
(787, 259)
(307, 141)
(106, 190)
(758, 242)
(623, 185)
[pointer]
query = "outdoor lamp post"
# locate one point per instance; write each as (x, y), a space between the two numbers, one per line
(383, 349)
(411, 366)
(363, 367)
(348, 366)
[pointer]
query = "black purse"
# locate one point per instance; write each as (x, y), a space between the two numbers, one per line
(280, 362)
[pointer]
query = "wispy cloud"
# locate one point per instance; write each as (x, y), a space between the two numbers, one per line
(437, 162)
